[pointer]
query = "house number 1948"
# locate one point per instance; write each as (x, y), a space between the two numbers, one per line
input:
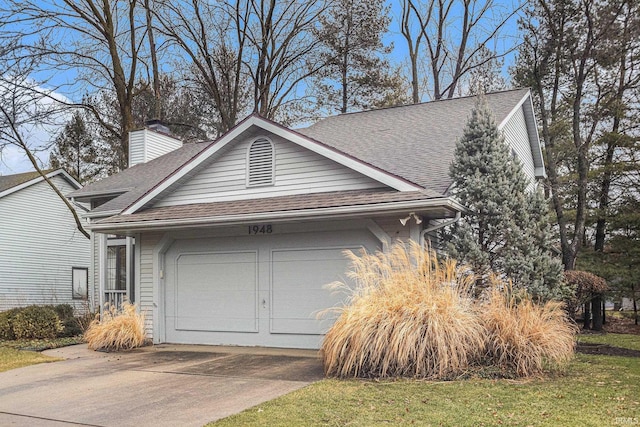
(260, 229)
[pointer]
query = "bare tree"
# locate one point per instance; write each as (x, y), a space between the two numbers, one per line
(282, 53)
(21, 107)
(213, 37)
(99, 42)
(454, 37)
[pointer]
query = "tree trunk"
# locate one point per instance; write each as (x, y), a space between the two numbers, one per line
(596, 308)
(587, 316)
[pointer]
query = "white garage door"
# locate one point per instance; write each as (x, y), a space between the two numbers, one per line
(262, 290)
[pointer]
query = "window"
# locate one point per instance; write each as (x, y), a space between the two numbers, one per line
(117, 268)
(260, 163)
(79, 280)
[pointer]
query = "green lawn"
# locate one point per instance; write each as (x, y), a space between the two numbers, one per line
(616, 340)
(10, 358)
(594, 391)
(19, 353)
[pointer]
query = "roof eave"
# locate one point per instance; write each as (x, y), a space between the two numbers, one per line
(341, 212)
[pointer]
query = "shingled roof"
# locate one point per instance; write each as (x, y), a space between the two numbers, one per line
(10, 181)
(415, 142)
(135, 181)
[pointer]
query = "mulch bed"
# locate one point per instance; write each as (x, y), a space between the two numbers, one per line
(606, 350)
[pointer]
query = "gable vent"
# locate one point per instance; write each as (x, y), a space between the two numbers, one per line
(260, 163)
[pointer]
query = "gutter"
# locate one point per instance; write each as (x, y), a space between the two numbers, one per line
(424, 232)
(282, 216)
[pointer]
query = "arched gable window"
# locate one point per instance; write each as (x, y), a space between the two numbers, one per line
(260, 163)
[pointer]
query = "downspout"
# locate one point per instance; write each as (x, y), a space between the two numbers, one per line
(424, 232)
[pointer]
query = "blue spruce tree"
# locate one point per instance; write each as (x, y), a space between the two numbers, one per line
(506, 230)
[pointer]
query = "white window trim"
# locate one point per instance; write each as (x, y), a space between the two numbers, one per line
(273, 162)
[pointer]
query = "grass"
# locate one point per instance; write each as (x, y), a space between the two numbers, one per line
(117, 329)
(11, 358)
(19, 353)
(411, 315)
(629, 341)
(593, 391)
(525, 336)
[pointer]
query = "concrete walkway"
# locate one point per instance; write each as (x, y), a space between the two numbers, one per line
(166, 385)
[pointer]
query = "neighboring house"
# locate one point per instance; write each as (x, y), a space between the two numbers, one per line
(44, 259)
(232, 241)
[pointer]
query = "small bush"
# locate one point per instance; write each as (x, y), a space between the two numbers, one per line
(36, 322)
(6, 324)
(585, 286)
(525, 337)
(70, 325)
(408, 316)
(64, 311)
(117, 329)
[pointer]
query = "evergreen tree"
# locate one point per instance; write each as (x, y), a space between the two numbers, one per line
(356, 76)
(74, 151)
(506, 230)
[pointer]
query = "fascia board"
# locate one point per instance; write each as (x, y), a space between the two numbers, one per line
(102, 214)
(36, 180)
(504, 122)
(298, 139)
(318, 213)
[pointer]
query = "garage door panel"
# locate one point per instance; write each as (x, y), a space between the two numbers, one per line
(216, 291)
(299, 293)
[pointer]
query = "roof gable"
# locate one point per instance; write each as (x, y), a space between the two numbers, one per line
(253, 126)
(11, 183)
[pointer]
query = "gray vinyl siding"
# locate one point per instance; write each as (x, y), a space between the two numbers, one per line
(297, 171)
(147, 242)
(394, 229)
(517, 136)
(145, 145)
(39, 245)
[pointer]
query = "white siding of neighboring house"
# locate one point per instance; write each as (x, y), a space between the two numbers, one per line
(297, 171)
(517, 136)
(39, 244)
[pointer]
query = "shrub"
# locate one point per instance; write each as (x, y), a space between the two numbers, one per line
(70, 325)
(585, 286)
(6, 324)
(64, 311)
(116, 329)
(36, 322)
(408, 316)
(525, 337)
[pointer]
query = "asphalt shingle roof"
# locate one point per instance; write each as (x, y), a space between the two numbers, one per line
(139, 179)
(10, 181)
(298, 202)
(415, 142)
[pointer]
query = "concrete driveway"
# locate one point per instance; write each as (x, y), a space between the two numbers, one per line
(166, 385)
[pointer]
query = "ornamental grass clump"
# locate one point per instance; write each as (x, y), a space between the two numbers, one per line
(117, 330)
(408, 315)
(526, 337)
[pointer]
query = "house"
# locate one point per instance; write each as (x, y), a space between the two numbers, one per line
(44, 259)
(232, 241)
